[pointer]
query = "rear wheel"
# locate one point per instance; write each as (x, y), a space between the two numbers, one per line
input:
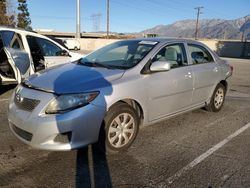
(217, 99)
(121, 127)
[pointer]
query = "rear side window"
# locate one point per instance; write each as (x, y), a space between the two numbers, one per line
(12, 40)
(34, 47)
(43, 47)
(199, 54)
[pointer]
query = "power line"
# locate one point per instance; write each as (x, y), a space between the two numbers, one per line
(147, 11)
(96, 21)
(197, 20)
(129, 25)
(51, 17)
(167, 5)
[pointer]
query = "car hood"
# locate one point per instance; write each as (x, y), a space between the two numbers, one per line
(73, 78)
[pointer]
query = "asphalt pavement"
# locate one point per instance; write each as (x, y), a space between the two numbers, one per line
(196, 149)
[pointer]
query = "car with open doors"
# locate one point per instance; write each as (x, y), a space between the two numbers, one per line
(23, 53)
(106, 96)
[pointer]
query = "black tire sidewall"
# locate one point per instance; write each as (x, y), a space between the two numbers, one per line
(212, 106)
(113, 113)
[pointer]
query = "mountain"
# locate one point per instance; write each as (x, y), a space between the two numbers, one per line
(208, 28)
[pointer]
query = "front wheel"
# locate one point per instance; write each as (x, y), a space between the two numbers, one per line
(120, 129)
(217, 99)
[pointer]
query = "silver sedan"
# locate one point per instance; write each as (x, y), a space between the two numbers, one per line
(107, 95)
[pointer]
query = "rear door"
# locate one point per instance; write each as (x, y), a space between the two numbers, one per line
(206, 73)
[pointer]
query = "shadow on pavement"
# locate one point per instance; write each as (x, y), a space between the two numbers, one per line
(92, 169)
(5, 89)
(91, 164)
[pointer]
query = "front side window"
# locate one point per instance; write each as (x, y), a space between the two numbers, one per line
(199, 54)
(174, 54)
(12, 40)
(48, 48)
(121, 55)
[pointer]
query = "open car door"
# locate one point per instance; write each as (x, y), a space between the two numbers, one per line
(19, 62)
(14, 60)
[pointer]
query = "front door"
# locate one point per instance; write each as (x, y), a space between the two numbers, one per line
(171, 91)
(46, 53)
(53, 54)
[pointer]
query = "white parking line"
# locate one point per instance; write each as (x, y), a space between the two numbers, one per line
(1, 100)
(206, 154)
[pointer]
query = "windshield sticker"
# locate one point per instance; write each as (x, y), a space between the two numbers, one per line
(148, 42)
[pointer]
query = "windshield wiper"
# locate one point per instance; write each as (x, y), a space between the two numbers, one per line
(96, 64)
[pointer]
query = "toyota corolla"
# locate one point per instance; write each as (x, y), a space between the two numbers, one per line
(107, 95)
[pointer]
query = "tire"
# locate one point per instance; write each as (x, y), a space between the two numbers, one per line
(121, 126)
(217, 99)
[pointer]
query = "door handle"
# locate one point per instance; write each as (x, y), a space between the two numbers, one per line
(215, 69)
(188, 75)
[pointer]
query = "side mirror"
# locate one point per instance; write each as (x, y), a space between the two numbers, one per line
(160, 66)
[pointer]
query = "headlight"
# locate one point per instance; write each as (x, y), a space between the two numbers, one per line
(68, 102)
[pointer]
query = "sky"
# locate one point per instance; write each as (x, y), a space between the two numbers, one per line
(128, 15)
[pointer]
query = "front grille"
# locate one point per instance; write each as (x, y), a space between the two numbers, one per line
(22, 133)
(26, 104)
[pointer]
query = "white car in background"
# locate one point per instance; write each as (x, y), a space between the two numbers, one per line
(23, 53)
(72, 44)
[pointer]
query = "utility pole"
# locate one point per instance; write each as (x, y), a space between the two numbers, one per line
(197, 21)
(78, 26)
(244, 28)
(243, 38)
(107, 18)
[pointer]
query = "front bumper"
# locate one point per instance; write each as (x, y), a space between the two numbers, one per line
(39, 130)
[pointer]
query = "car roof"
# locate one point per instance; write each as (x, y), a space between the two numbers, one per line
(167, 39)
(32, 33)
(21, 31)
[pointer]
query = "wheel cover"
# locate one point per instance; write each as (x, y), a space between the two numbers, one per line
(121, 130)
(219, 98)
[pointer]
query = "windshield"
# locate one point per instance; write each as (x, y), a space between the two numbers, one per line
(119, 55)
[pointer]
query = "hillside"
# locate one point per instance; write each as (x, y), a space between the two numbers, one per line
(208, 28)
